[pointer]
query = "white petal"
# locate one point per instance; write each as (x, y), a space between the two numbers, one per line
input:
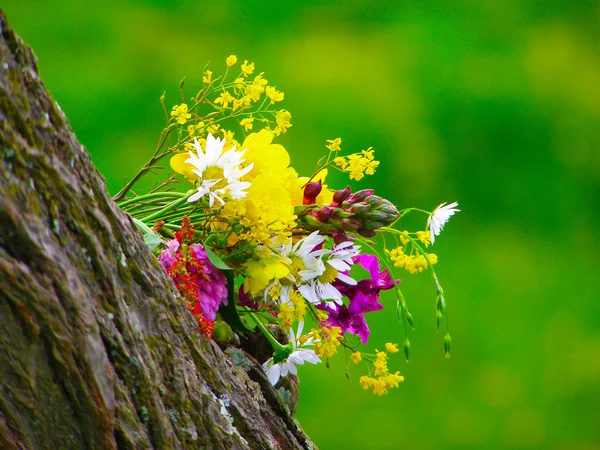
(274, 373)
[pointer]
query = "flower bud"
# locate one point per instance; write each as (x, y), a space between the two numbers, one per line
(358, 196)
(350, 224)
(447, 345)
(409, 319)
(407, 349)
(324, 213)
(311, 192)
(359, 208)
(341, 195)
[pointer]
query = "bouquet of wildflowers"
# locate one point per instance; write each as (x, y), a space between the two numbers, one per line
(249, 243)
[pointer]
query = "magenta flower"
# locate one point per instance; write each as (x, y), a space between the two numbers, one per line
(200, 282)
(363, 298)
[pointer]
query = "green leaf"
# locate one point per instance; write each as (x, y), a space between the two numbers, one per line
(152, 240)
(229, 312)
(217, 262)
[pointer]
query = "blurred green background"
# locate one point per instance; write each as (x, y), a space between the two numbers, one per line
(495, 104)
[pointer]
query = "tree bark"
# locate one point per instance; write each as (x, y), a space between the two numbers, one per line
(97, 350)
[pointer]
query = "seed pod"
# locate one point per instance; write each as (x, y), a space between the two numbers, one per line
(407, 349)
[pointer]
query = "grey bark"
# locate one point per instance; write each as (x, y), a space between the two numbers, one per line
(97, 351)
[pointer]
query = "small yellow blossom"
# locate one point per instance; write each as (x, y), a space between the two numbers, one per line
(213, 128)
(181, 112)
(247, 69)
(282, 118)
(225, 99)
(247, 123)
(391, 348)
(334, 145)
(380, 363)
(341, 162)
(404, 237)
(327, 346)
(193, 128)
(361, 163)
(207, 78)
(274, 94)
(424, 237)
(254, 91)
(321, 316)
(286, 315)
(356, 357)
(231, 60)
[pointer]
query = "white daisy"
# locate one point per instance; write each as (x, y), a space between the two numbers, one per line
(219, 171)
(300, 354)
(324, 273)
(439, 217)
(298, 256)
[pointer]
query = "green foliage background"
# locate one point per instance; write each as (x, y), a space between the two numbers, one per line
(495, 104)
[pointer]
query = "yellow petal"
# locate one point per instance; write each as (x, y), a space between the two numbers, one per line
(179, 165)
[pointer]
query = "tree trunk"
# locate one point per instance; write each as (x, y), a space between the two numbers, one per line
(97, 350)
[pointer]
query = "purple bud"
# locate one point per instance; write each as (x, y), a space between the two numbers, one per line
(311, 192)
(341, 195)
(359, 196)
(324, 213)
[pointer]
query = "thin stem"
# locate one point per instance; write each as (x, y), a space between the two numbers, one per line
(149, 197)
(171, 206)
(276, 345)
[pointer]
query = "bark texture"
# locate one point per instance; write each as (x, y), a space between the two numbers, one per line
(97, 351)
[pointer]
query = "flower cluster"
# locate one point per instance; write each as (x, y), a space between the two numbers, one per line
(200, 283)
(247, 240)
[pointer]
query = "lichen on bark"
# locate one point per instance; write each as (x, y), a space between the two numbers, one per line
(97, 350)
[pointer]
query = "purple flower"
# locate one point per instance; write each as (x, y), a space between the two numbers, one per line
(363, 298)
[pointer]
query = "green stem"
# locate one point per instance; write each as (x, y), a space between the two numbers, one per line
(149, 197)
(171, 206)
(277, 347)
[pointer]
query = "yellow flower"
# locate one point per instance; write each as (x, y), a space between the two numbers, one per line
(260, 273)
(254, 92)
(231, 60)
(247, 123)
(179, 165)
(334, 144)
(247, 69)
(225, 98)
(207, 78)
(274, 94)
(341, 162)
(282, 118)
(356, 357)
(193, 128)
(181, 112)
(391, 348)
(424, 237)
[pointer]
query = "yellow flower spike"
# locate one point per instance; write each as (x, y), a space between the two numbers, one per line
(231, 60)
(179, 165)
(391, 348)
